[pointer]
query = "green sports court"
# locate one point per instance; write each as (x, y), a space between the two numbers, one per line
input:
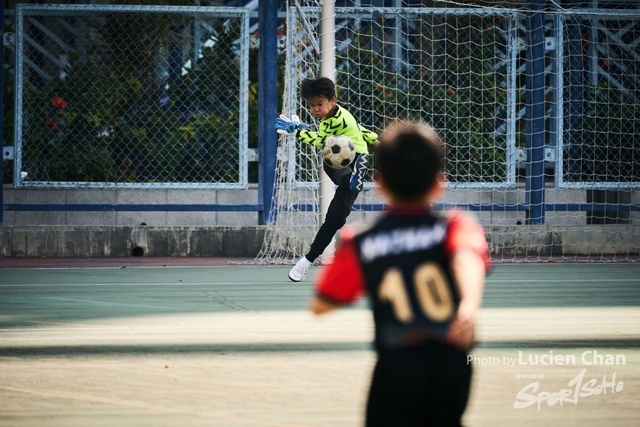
(210, 341)
(150, 211)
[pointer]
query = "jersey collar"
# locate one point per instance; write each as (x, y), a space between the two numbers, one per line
(333, 113)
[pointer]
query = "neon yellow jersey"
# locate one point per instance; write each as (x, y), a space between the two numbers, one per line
(341, 123)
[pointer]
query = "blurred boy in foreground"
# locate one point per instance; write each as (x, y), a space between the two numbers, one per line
(424, 276)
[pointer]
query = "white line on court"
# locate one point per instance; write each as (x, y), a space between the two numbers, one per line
(88, 328)
(282, 282)
(162, 328)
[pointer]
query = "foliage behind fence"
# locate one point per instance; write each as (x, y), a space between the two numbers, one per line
(129, 96)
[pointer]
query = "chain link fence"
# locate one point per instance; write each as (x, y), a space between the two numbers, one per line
(465, 71)
(601, 92)
(453, 68)
(131, 97)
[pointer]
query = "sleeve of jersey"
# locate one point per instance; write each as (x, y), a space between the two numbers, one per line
(464, 233)
(309, 137)
(342, 281)
(370, 137)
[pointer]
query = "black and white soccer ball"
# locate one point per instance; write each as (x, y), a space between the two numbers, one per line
(338, 151)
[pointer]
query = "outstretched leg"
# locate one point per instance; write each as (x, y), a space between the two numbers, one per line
(337, 213)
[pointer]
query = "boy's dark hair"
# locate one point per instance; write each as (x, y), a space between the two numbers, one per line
(409, 159)
(322, 86)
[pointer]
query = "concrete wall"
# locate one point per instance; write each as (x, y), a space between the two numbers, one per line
(100, 234)
(124, 197)
(105, 241)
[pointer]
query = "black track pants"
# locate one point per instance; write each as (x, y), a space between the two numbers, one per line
(419, 387)
(337, 213)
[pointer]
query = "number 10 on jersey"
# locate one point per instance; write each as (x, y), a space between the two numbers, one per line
(431, 288)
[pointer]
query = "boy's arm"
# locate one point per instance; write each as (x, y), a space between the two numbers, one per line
(309, 137)
(331, 126)
(293, 126)
(468, 271)
(467, 248)
(369, 136)
(339, 283)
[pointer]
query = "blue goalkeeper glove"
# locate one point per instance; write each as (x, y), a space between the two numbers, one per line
(289, 126)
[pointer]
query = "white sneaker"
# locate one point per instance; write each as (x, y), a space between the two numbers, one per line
(300, 269)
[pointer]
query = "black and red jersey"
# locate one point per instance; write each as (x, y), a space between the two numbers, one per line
(403, 264)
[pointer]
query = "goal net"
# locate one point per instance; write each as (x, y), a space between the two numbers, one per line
(538, 110)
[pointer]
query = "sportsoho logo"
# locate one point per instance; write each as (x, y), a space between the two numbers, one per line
(579, 387)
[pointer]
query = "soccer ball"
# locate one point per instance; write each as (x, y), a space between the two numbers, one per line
(338, 151)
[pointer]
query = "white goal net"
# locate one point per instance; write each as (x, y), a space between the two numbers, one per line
(538, 109)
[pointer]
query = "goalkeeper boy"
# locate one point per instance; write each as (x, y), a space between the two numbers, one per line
(424, 276)
(321, 95)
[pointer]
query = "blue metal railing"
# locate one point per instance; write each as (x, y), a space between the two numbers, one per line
(535, 204)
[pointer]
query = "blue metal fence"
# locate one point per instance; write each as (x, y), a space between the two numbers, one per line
(571, 80)
(581, 67)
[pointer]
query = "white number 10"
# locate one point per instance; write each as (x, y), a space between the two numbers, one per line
(432, 290)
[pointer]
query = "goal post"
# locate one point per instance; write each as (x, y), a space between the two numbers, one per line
(327, 69)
